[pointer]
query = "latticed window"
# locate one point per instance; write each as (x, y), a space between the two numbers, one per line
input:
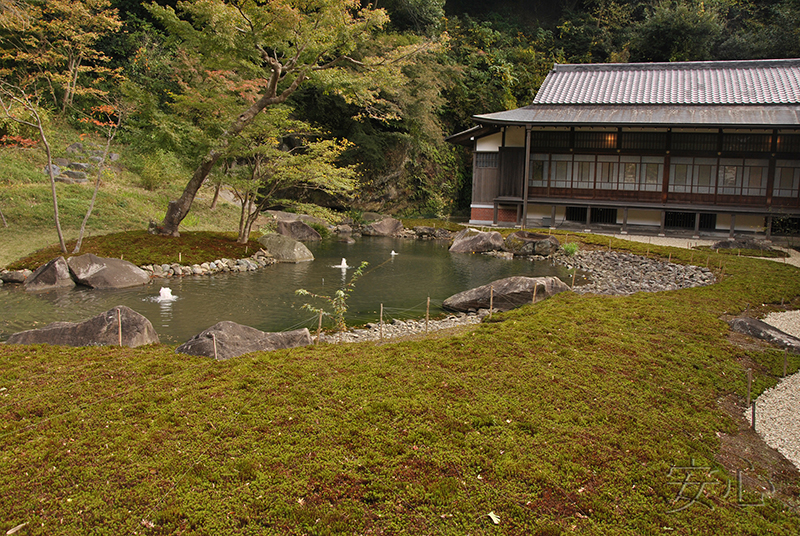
(694, 141)
(652, 141)
(789, 143)
(550, 139)
(539, 171)
(746, 142)
(583, 169)
(704, 175)
(787, 178)
(595, 140)
(486, 160)
(607, 172)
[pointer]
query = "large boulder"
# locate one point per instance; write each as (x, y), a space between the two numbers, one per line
(761, 330)
(50, 276)
(384, 227)
(474, 241)
(103, 329)
(100, 272)
(232, 340)
(298, 230)
(285, 249)
(14, 276)
(525, 243)
(508, 293)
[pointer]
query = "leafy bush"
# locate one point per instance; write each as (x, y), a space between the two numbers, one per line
(158, 169)
(570, 248)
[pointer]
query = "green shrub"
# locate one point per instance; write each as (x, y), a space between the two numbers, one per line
(158, 169)
(570, 248)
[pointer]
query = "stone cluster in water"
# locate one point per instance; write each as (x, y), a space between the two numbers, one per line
(260, 259)
(620, 273)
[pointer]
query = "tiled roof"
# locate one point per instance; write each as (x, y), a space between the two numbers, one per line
(705, 83)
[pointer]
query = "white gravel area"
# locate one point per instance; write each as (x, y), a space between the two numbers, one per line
(778, 409)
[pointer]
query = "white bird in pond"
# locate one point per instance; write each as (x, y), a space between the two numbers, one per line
(394, 253)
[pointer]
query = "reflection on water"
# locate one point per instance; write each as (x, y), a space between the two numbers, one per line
(266, 299)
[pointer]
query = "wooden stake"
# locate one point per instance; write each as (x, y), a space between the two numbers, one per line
(427, 314)
(574, 272)
(491, 300)
(535, 287)
(707, 258)
(214, 339)
(753, 418)
(670, 258)
(381, 321)
(180, 256)
(319, 327)
(119, 326)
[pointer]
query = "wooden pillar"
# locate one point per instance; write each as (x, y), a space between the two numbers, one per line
(588, 217)
(663, 223)
(696, 225)
(772, 166)
(527, 168)
(733, 226)
(494, 216)
(553, 217)
(624, 221)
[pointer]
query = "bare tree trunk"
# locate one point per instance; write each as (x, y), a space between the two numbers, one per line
(247, 203)
(109, 138)
(216, 196)
(52, 182)
(178, 209)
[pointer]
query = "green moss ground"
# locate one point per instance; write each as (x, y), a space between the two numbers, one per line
(561, 418)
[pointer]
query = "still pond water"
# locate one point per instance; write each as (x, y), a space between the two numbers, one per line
(266, 299)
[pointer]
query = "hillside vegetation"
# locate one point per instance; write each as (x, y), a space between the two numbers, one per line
(578, 415)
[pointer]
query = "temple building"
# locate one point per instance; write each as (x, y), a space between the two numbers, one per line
(703, 146)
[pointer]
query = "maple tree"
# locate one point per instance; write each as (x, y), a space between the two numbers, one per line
(276, 46)
(279, 153)
(50, 47)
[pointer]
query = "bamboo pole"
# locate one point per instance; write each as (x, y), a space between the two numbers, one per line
(491, 300)
(535, 287)
(214, 339)
(319, 327)
(119, 326)
(381, 321)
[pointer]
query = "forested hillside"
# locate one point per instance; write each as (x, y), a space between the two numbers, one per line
(237, 93)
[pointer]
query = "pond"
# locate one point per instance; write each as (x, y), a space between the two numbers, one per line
(266, 299)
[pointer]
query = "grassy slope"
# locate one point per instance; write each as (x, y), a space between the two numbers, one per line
(26, 202)
(563, 417)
